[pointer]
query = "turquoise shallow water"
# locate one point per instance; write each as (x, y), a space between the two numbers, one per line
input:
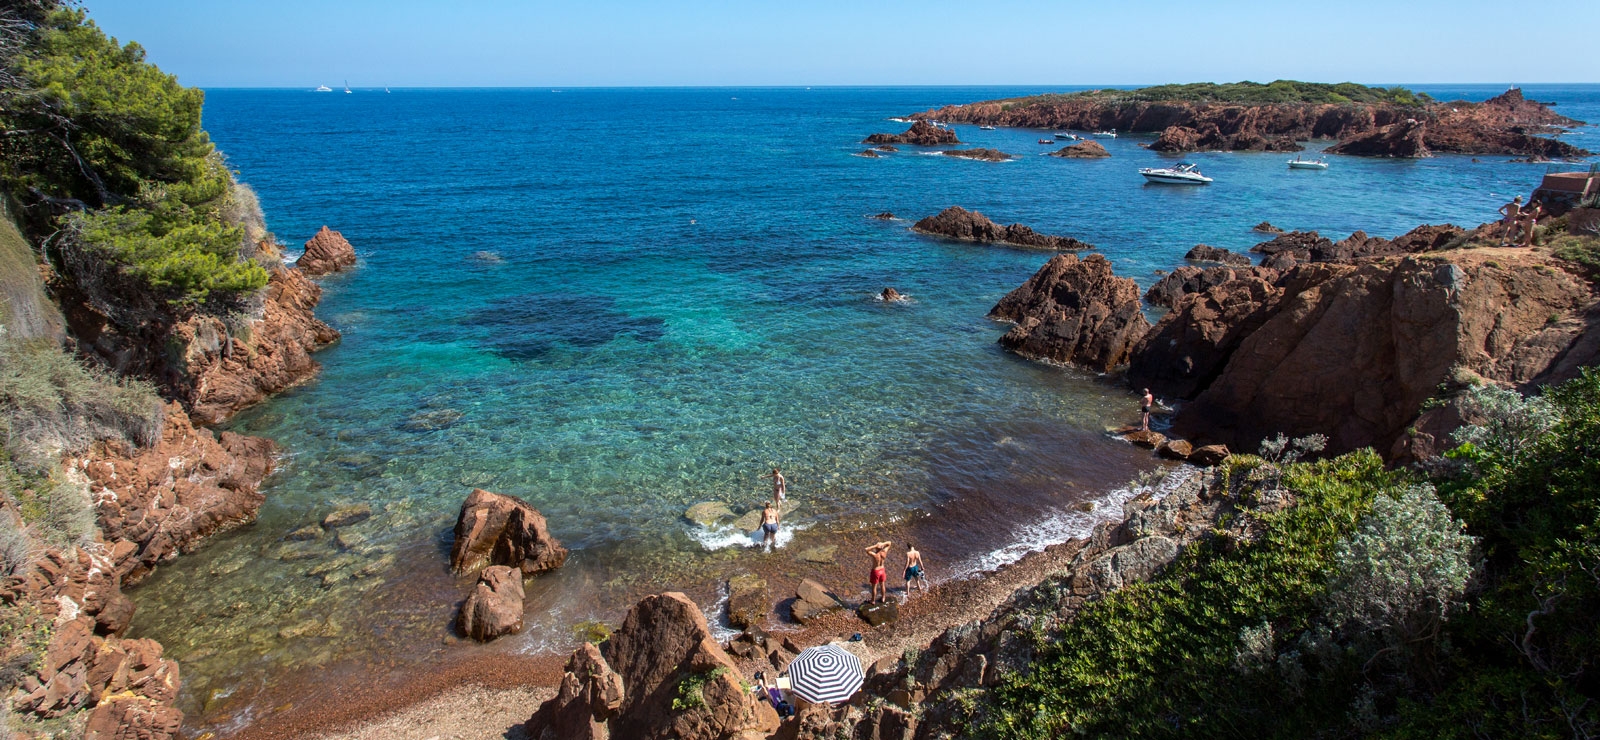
(618, 303)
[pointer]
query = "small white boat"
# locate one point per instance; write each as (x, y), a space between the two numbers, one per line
(1179, 174)
(1112, 134)
(1301, 163)
(324, 88)
(1064, 136)
(347, 87)
(986, 128)
(1047, 141)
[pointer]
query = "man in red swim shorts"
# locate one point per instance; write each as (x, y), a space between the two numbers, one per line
(880, 576)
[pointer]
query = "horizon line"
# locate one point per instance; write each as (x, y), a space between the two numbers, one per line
(839, 86)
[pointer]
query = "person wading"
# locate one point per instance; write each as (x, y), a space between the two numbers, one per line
(769, 526)
(780, 489)
(880, 576)
(914, 569)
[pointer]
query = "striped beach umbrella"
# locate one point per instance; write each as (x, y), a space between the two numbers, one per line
(825, 674)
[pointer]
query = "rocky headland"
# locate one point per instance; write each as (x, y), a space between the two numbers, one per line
(959, 223)
(1385, 126)
(921, 133)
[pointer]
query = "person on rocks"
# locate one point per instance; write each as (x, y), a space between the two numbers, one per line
(1144, 410)
(1529, 219)
(879, 578)
(772, 695)
(769, 526)
(1511, 214)
(780, 489)
(914, 569)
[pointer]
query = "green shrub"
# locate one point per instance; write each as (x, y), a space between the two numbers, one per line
(182, 264)
(691, 689)
(1581, 251)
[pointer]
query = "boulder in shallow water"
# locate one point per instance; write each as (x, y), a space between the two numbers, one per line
(813, 600)
(497, 529)
(709, 513)
(1175, 449)
(326, 252)
(1266, 228)
(890, 295)
(495, 606)
(1147, 440)
(879, 614)
(345, 516)
(748, 601)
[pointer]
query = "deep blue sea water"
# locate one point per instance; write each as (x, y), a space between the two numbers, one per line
(616, 303)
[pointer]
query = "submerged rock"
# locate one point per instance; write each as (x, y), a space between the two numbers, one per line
(431, 420)
(346, 515)
(495, 607)
(497, 529)
(327, 252)
(956, 222)
(869, 154)
(709, 513)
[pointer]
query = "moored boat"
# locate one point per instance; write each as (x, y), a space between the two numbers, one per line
(1047, 141)
(1066, 136)
(1182, 173)
(1112, 134)
(1301, 163)
(986, 128)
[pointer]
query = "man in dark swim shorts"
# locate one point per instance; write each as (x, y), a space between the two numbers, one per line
(914, 568)
(880, 575)
(1144, 410)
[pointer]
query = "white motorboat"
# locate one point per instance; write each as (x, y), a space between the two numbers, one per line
(1064, 136)
(986, 128)
(1112, 134)
(324, 88)
(1301, 163)
(1183, 173)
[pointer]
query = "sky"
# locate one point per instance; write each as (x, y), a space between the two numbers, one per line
(511, 43)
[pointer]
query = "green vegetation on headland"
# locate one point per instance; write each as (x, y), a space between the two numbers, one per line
(1245, 93)
(106, 155)
(1458, 600)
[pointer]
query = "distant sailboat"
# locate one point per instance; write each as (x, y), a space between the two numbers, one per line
(324, 88)
(347, 87)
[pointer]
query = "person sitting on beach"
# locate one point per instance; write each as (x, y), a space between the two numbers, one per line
(769, 525)
(772, 695)
(880, 575)
(1528, 219)
(914, 569)
(780, 489)
(1510, 214)
(1144, 410)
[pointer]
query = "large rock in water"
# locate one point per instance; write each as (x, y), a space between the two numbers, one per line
(1082, 150)
(1074, 311)
(497, 529)
(495, 606)
(956, 222)
(1208, 253)
(748, 601)
(921, 133)
(325, 253)
(663, 652)
(812, 600)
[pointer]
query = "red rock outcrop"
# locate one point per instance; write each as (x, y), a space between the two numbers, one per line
(980, 154)
(1074, 311)
(326, 252)
(157, 502)
(663, 651)
(217, 374)
(1082, 150)
(495, 607)
(1505, 124)
(956, 222)
(1208, 253)
(496, 529)
(1185, 280)
(921, 133)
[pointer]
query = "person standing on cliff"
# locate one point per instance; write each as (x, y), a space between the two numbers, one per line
(1511, 213)
(1144, 410)
(879, 578)
(1530, 218)
(780, 489)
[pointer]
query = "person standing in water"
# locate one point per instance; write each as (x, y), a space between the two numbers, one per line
(880, 576)
(780, 489)
(914, 569)
(769, 526)
(1144, 410)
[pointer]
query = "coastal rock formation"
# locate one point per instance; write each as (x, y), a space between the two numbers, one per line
(662, 653)
(1082, 150)
(1074, 311)
(748, 602)
(326, 252)
(218, 371)
(890, 295)
(1505, 124)
(1426, 238)
(1189, 346)
(495, 606)
(921, 133)
(1298, 243)
(885, 216)
(1266, 227)
(983, 155)
(956, 222)
(812, 600)
(496, 529)
(1185, 280)
(1206, 253)
(159, 501)
(869, 154)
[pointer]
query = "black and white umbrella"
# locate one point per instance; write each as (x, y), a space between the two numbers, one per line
(825, 674)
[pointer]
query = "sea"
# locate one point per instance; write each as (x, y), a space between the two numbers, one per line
(618, 303)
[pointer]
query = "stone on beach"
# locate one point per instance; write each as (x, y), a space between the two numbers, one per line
(495, 607)
(498, 529)
(748, 601)
(813, 600)
(879, 614)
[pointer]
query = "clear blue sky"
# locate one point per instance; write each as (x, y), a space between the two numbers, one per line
(300, 43)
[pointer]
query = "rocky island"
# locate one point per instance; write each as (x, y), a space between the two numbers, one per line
(959, 223)
(1247, 116)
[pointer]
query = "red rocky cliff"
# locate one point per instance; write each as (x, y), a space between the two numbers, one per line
(327, 252)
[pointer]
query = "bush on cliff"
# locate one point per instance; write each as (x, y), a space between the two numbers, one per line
(101, 134)
(1376, 605)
